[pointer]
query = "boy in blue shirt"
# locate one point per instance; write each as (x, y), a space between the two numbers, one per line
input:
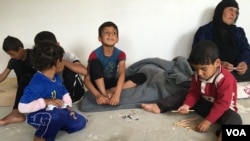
(46, 101)
(106, 68)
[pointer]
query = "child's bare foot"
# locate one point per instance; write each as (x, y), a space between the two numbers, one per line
(14, 117)
(153, 108)
(110, 92)
(38, 139)
(220, 137)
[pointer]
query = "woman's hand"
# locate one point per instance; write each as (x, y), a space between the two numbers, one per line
(241, 68)
(227, 65)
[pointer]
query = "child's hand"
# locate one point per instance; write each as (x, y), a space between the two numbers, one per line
(184, 109)
(101, 99)
(115, 100)
(204, 126)
(55, 102)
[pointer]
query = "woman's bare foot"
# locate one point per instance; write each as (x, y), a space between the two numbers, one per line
(153, 108)
(14, 117)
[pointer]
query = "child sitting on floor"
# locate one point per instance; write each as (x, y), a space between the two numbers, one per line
(213, 91)
(106, 68)
(19, 62)
(46, 100)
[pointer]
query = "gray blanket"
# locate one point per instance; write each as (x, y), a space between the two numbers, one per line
(164, 78)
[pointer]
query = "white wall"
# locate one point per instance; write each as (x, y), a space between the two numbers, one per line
(148, 28)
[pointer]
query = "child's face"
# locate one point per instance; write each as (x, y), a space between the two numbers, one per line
(18, 55)
(60, 66)
(206, 71)
(109, 36)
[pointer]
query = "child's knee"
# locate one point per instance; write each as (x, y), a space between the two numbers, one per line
(79, 124)
(139, 79)
(82, 121)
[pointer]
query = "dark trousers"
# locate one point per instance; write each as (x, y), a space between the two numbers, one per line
(203, 107)
(49, 122)
(97, 71)
(229, 117)
(171, 102)
(24, 81)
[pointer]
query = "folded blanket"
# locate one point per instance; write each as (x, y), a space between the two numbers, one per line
(164, 78)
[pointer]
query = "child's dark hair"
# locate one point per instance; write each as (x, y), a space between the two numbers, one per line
(12, 43)
(45, 35)
(107, 24)
(45, 55)
(204, 53)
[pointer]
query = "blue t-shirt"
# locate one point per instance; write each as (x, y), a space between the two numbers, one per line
(42, 87)
(110, 63)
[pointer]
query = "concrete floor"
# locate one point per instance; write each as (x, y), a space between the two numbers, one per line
(116, 126)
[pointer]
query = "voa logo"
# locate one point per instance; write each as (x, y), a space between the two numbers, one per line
(236, 132)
